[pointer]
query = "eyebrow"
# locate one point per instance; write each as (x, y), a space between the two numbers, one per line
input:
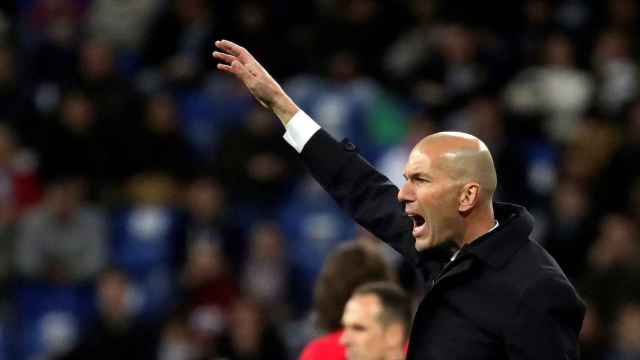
(416, 175)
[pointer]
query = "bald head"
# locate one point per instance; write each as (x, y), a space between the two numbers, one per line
(449, 189)
(462, 157)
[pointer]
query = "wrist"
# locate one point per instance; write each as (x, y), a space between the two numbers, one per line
(284, 108)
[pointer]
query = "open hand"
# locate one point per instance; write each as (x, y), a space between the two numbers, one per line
(236, 60)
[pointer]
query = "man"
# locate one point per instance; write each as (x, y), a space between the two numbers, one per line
(348, 266)
(491, 292)
(376, 322)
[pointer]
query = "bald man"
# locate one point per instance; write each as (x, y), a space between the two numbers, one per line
(491, 292)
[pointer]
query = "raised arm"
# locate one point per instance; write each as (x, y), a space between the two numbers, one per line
(358, 188)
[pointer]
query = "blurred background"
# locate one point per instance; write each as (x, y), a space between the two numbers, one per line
(149, 208)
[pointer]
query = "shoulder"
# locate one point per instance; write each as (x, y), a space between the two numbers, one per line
(535, 276)
(549, 292)
(324, 347)
(535, 267)
(551, 297)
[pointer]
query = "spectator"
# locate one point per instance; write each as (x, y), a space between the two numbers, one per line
(209, 220)
(123, 24)
(626, 334)
(615, 70)
(254, 164)
(116, 333)
(593, 335)
(209, 291)
(454, 71)
(74, 145)
(177, 342)
(348, 267)
(570, 223)
(21, 188)
(557, 88)
(145, 240)
(64, 239)
(16, 107)
(177, 42)
(250, 336)
(159, 146)
(266, 275)
(615, 245)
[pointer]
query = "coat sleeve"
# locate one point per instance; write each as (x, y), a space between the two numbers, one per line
(360, 190)
(548, 321)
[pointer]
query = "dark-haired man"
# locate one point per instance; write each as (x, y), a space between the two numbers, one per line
(376, 322)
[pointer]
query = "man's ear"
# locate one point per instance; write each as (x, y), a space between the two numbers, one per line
(469, 196)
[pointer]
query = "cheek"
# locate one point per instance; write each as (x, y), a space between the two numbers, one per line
(426, 197)
(372, 342)
(434, 198)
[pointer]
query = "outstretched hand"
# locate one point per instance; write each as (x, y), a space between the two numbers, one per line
(236, 60)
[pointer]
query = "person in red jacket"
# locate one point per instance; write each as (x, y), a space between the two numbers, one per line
(349, 266)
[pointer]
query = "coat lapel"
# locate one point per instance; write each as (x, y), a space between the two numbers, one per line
(456, 268)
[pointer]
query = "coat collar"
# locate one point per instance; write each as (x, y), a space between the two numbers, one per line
(496, 247)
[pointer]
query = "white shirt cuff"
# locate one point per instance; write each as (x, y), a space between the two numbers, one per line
(300, 129)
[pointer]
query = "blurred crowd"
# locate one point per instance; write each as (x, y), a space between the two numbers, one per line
(149, 207)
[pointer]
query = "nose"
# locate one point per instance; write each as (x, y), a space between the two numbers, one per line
(406, 193)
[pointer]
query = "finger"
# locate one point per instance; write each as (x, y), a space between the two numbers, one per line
(224, 57)
(225, 68)
(236, 50)
(228, 46)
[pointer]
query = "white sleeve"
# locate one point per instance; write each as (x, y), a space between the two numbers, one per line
(300, 129)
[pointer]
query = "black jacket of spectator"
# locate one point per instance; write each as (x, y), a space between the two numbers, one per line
(503, 297)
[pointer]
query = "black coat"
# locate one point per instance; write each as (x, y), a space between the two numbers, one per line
(503, 297)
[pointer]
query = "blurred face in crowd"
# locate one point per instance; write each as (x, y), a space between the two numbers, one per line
(266, 242)
(616, 244)
(161, 114)
(205, 261)
(365, 336)
(78, 112)
(97, 60)
(558, 51)
(113, 288)
(246, 326)
(457, 46)
(627, 328)
(205, 199)
(65, 197)
(448, 175)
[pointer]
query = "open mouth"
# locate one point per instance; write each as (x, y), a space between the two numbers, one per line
(419, 225)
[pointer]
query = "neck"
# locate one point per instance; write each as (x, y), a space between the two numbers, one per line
(478, 224)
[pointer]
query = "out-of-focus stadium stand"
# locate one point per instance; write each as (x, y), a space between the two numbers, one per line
(146, 196)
